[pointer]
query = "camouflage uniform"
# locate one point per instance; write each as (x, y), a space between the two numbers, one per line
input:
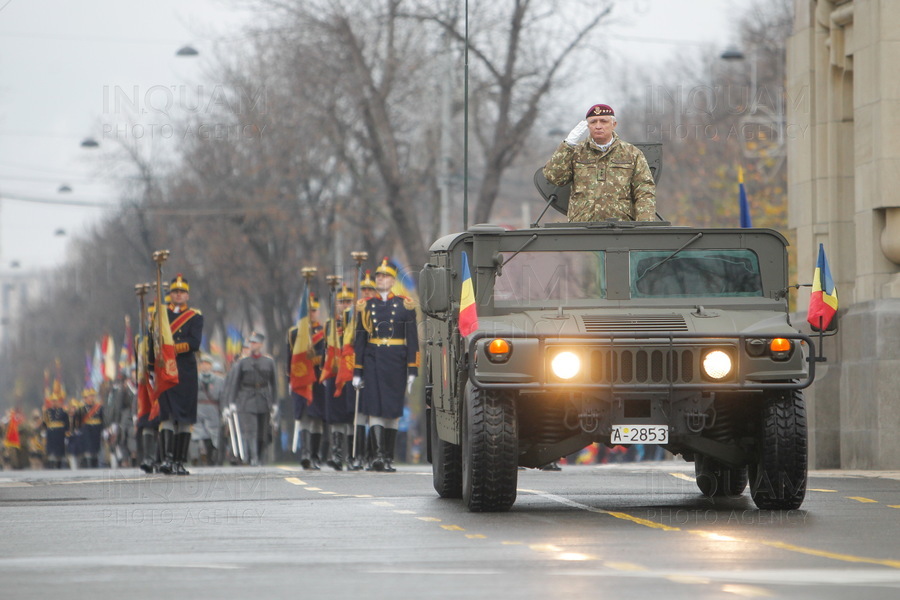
(616, 184)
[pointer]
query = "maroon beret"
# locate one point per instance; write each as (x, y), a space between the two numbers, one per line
(599, 110)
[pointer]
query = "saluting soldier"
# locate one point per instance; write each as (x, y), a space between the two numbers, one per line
(311, 415)
(387, 360)
(56, 426)
(252, 391)
(178, 404)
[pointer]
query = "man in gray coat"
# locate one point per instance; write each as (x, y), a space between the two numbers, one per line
(206, 429)
(252, 392)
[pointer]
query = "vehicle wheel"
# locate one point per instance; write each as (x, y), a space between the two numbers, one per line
(778, 475)
(446, 464)
(716, 480)
(490, 448)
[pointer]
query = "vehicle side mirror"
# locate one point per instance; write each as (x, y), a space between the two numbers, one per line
(434, 290)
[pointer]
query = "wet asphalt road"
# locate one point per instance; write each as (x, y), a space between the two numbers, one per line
(620, 531)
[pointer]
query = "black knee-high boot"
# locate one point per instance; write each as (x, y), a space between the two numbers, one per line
(167, 450)
(182, 446)
(378, 459)
(149, 441)
(390, 441)
(306, 449)
(338, 439)
(315, 442)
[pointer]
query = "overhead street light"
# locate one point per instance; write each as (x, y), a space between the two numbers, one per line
(187, 51)
(89, 142)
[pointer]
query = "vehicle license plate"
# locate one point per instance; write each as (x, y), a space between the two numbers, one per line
(639, 434)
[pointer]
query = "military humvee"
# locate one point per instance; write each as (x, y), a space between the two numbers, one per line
(617, 333)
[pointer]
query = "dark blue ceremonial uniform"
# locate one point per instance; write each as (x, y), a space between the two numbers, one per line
(56, 423)
(387, 351)
(179, 403)
(92, 429)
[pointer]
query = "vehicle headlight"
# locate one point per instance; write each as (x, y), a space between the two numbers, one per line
(565, 365)
(717, 364)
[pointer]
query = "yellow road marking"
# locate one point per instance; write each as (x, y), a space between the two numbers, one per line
(893, 505)
(747, 591)
(860, 499)
(512, 543)
(712, 535)
(688, 579)
(312, 489)
(624, 566)
(294, 481)
(819, 490)
(452, 528)
(475, 536)
(362, 495)
(544, 548)
(429, 519)
(683, 476)
(328, 493)
(405, 512)
(290, 469)
(382, 504)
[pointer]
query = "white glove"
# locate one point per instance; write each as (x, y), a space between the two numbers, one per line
(357, 382)
(578, 134)
(409, 382)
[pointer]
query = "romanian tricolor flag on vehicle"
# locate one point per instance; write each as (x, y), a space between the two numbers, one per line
(468, 317)
(823, 302)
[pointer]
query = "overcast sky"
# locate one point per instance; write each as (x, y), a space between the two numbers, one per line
(67, 66)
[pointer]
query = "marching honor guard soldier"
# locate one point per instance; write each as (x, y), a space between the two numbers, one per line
(56, 426)
(310, 416)
(387, 361)
(146, 409)
(252, 391)
(92, 427)
(362, 453)
(178, 404)
(340, 403)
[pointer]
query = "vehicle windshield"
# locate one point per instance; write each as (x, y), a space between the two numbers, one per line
(542, 278)
(578, 277)
(718, 273)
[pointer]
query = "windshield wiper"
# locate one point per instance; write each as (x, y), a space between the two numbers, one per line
(666, 259)
(499, 263)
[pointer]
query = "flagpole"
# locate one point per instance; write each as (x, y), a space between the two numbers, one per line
(359, 257)
(140, 291)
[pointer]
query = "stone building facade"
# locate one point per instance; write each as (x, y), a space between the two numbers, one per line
(843, 105)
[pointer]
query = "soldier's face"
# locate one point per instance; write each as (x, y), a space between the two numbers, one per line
(601, 128)
(383, 282)
(179, 296)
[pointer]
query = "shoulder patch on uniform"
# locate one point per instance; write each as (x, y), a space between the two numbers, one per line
(409, 303)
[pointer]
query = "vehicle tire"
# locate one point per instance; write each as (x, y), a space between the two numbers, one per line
(716, 480)
(490, 448)
(446, 464)
(778, 474)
